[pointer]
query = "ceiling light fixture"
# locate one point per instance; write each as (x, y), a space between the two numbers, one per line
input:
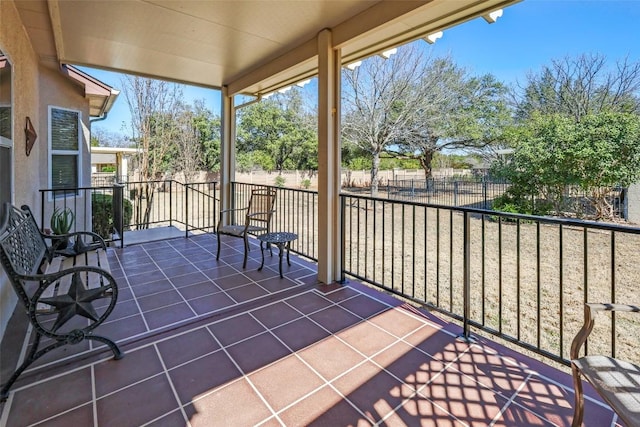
(354, 65)
(387, 53)
(493, 16)
(431, 38)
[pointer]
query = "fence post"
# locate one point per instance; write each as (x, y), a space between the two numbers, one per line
(455, 193)
(118, 211)
(484, 193)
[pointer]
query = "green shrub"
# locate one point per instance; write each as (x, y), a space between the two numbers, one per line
(513, 201)
(306, 183)
(279, 181)
(102, 208)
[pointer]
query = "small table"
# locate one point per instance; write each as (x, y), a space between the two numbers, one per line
(280, 239)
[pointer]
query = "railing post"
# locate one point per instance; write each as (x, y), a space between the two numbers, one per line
(186, 210)
(170, 202)
(42, 210)
(343, 208)
(118, 211)
(466, 334)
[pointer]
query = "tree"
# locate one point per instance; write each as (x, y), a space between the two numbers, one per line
(153, 105)
(553, 151)
(277, 134)
(578, 122)
(458, 111)
(579, 86)
(380, 99)
(104, 138)
(414, 106)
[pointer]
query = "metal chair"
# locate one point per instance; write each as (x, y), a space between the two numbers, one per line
(256, 219)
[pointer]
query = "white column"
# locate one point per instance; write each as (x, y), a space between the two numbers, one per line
(329, 243)
(227, 148)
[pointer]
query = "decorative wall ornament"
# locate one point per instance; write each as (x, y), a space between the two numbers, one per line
(30, 135)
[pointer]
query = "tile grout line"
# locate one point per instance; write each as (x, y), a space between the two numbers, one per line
(326, 382)
(246, 378)
(133, 295)
(94, 396)
(165, 371)
(169, 279)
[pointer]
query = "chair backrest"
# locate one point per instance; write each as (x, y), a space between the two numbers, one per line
(261, 205)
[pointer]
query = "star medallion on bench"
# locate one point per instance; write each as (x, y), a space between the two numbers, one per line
(78, 301)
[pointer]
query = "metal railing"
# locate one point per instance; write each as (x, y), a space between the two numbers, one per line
(480, 193)
(470, 193)
(141, 205)
(522, 278)
(296, 212)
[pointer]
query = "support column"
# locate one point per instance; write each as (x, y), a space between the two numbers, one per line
(329, 243)
(227, 148)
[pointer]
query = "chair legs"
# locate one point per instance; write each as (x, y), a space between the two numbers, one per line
(246, 251)
(246, 248)
(219, 244)
(578, 408)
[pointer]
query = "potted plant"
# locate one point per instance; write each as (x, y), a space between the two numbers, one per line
(61, 223)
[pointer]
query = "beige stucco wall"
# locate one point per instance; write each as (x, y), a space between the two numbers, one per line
(35, 86)
(15, 44)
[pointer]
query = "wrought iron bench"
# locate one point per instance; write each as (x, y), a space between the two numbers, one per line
(616, 381)
(65, 294)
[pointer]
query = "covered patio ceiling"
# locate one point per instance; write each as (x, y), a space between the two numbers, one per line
(250, 47)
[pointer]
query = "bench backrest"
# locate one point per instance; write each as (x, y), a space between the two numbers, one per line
(22, 247)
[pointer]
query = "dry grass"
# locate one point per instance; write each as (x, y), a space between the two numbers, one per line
(527, 281)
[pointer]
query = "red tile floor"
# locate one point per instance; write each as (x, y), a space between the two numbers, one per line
(208, 343)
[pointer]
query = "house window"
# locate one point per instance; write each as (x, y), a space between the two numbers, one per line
(65, 143)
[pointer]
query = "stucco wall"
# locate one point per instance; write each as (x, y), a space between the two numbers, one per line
(15, 44)
(35, 86)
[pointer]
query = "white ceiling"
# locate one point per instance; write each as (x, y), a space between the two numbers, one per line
(251, 46)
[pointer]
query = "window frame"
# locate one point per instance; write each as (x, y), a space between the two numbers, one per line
(8, 144)
(54, 152)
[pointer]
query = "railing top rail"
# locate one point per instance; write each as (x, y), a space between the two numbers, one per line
(301, 190)
(541, 219)
(73, 190)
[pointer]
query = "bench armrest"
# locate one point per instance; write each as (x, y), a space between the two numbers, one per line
(97, 242)
(590, 309)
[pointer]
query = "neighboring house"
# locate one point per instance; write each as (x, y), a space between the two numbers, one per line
(54, 105)
(110, 162)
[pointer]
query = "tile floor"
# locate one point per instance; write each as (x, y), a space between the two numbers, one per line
(208, 343)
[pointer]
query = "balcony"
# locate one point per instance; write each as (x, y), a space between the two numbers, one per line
(208, 343)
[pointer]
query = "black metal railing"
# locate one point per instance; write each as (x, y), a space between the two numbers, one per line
(522, 278)
(296, 212)
(480, 193)
(470, 193)
(136, 205)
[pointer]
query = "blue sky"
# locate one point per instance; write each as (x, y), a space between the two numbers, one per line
(529, 35)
